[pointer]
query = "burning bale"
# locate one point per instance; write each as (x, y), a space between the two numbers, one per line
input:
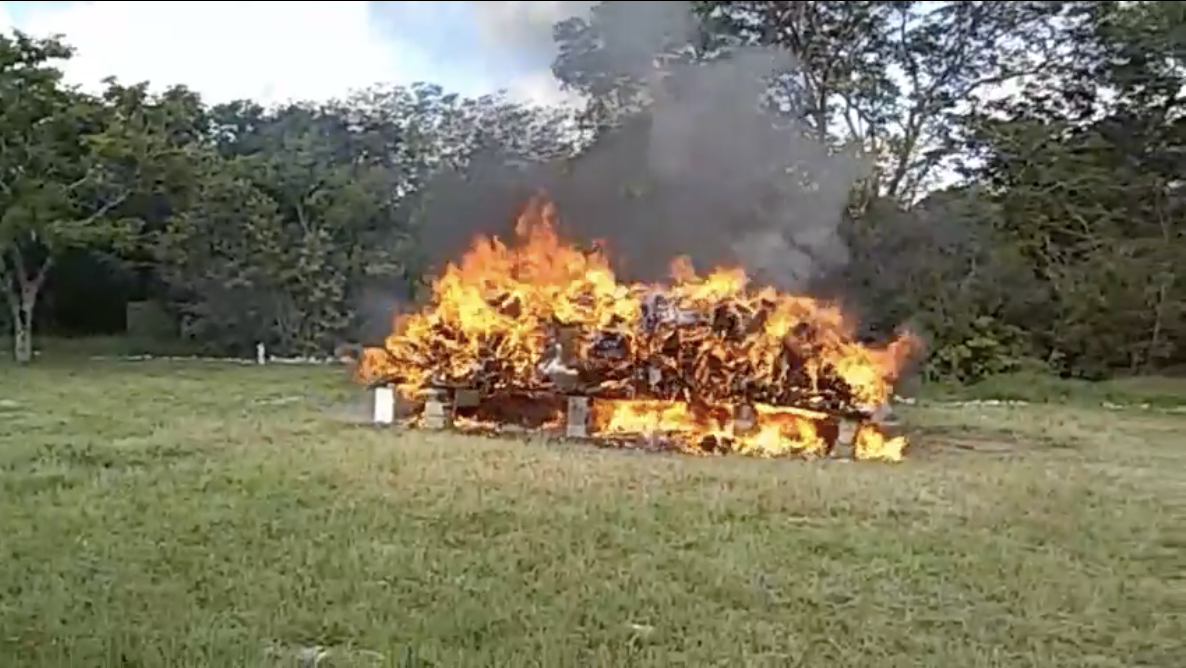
(541, 335)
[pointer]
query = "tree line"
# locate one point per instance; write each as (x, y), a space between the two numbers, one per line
(1025, 209)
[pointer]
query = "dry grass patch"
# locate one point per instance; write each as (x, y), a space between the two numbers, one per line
(203, 515)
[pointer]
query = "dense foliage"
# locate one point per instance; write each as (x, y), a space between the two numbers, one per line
(1025, 208)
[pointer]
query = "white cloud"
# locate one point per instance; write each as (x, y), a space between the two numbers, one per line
(525, 25)
(273, 52)
(268, 51)
(524, 30)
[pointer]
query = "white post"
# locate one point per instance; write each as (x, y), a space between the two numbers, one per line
(261, 354)
(383, 411)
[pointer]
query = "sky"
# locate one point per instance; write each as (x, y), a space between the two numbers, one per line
(279, 51)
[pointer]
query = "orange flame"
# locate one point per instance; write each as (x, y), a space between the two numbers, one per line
(539, 314)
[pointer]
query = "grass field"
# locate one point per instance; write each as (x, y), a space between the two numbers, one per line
(158, 514)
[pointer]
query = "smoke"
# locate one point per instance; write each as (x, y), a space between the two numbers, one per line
(525, 27)
(378, 304)
(695, 165)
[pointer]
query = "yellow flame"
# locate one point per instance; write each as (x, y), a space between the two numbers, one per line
(497, 312)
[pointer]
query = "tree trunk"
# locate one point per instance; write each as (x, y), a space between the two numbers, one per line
(21, 290)
(1158, 322)
(22, 327)
(22, 296)
(22, 339)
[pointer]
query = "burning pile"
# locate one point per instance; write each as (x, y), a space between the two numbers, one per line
(706, 363)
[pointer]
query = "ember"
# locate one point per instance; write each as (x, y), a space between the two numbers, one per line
(706, 364)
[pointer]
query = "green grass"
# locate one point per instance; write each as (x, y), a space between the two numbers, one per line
(1151, 391)
(81, 348)
(158, 514)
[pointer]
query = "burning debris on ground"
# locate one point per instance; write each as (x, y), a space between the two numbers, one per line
(522, 336)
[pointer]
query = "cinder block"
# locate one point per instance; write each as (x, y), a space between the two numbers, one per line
(438, 414)
(745, 420)
(577, 419)
(846, 437)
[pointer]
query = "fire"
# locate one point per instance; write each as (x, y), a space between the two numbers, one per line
(709, 362)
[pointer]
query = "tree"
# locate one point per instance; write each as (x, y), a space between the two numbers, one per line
(1088, 181)
(69, 161)
(291, 211)
(894, 77)
(1017, 191)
